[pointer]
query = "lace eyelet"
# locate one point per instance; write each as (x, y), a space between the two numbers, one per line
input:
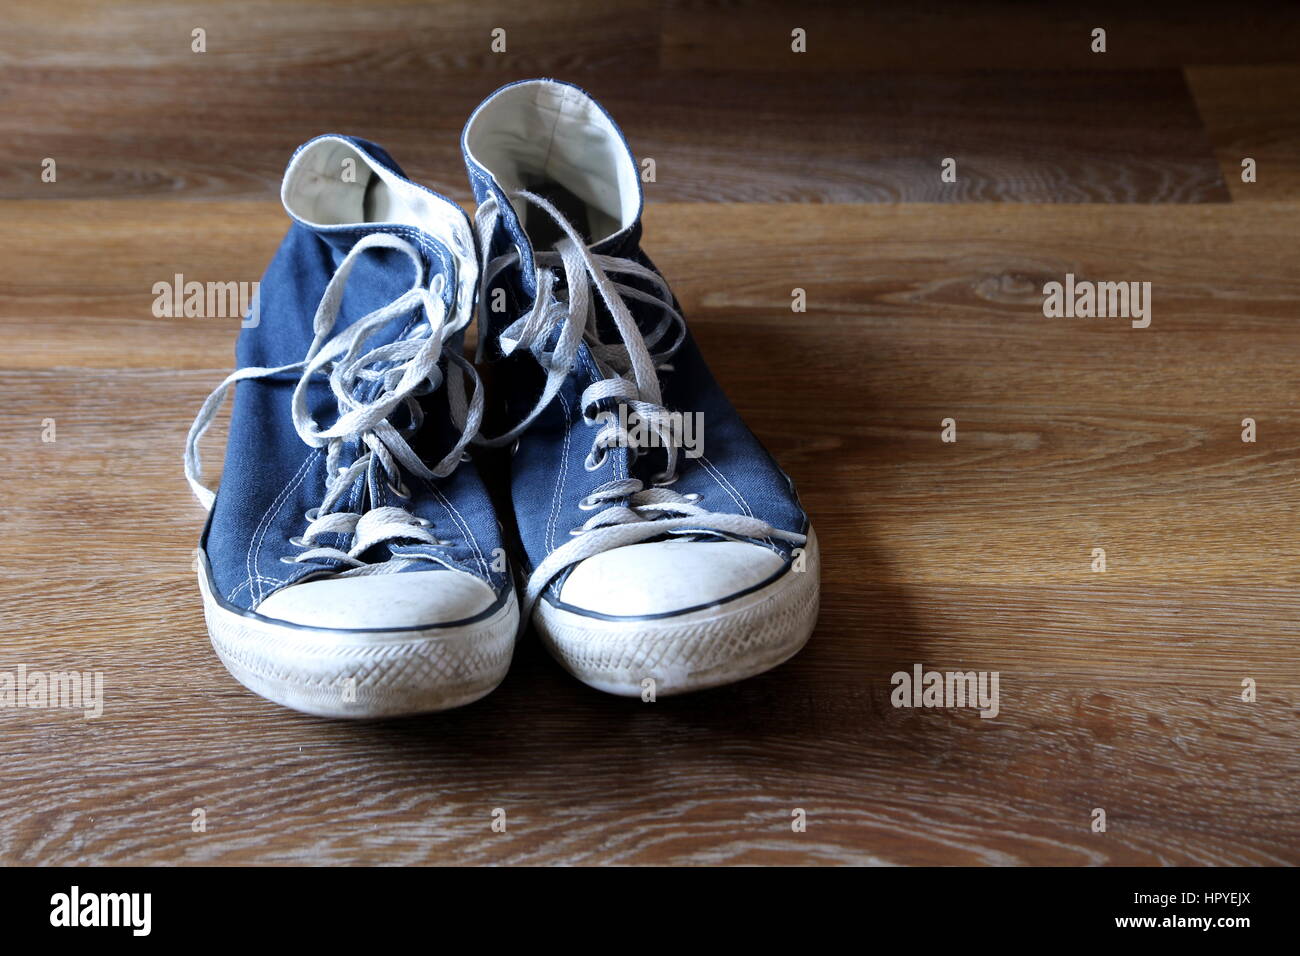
(311, 514)
(298, 542)
(693, 497)
(284, 560)
(586, 504)
(514, 448)
(401, 490)
(577, 531)
(592, 465)
(663, 481)
(443, 543)
(423, 522)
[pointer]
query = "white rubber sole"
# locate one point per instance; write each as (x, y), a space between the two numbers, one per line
(705, 648)
(363, 674)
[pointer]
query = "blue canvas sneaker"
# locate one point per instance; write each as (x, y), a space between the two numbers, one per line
(352, 564)
(661, 541)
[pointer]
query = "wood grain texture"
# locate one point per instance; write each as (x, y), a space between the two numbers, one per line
(1050, 136)
(116, 97)
(1250, 112)
(1119, 690)
(1026, 137)
(846, 36)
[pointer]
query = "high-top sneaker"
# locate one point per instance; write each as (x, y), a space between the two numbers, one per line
(352, 564)
(664, 548)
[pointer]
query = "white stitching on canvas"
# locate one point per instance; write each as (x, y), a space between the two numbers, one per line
(561, 475)
(273, 506)
(257, 558)
(459, 521)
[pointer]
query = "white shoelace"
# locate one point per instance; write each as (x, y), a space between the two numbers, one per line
(406, 369)
(633, 512)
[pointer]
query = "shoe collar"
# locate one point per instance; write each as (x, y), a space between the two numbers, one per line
(556, 130)
(343, 188)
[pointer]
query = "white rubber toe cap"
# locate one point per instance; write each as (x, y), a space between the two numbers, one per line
(661, 577)
(381, 601)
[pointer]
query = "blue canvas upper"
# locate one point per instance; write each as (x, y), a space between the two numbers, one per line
(550, 478)
(272, 477)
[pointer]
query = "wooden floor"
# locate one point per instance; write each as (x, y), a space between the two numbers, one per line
(1120, 691)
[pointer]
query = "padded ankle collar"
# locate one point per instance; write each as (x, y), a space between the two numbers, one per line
(341, 187)
(331, 180)
(554, 130)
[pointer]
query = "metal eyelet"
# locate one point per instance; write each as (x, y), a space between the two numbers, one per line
(298, 542)
(401, 491)
(663, 481)
(693, 497)
(577, 531)
(440, 542)
(586, 504)
(591, 465)
(423, 522)
(311, 514)
(514, 448)
(284, 560)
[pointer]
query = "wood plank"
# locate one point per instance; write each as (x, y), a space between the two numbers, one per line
(354, 40)
(979, 267)
(880, 785)
(1249, 112)
(1025, 137)
(1119, 690)
(1052, 136)
(126, 109)
(119, 99)
(850, 37)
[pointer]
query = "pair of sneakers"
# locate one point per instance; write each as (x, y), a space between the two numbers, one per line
(353, 564)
